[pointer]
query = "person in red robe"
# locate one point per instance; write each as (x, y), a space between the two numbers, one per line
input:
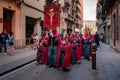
(74, 46)
(78, 50)
(91, 42)
(54, 49)
(45, 44)
(40, 54)
(64, 56)
(69, 51)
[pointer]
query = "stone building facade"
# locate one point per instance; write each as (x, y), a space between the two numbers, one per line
(91, 25)
(21, 17)
(108, 11)
(24, 17)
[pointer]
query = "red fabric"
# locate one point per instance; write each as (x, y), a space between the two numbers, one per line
(90, 37)
(78, 52)
(56, 34)
(81, 44)
(71, 38)
(49, 10)
(70, 51)
(46, 56)
(59, 53)
(66, 62)
(85, 35)
(46, 36)
(43, 57)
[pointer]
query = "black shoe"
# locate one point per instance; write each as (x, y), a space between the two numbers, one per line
(85, 57)
(88, 59)
(50, 66)
(54, 66)
(65, 69)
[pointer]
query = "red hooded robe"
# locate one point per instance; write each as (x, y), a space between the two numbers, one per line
(43, 57)
(56, 34)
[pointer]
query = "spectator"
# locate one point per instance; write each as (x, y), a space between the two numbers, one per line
(4, 36)
(35, 41)
(96, 39)
(11, 42)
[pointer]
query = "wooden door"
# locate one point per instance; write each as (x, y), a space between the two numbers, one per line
(7, 25)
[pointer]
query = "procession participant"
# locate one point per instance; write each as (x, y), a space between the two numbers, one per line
(69, 51)
(71, 37)
(45, 44)
(64, 58)
(90, 37)
(81, 43)
(70, 48)
(62, 52)
(78, 51)
(86, 48)
(56, 45)
(51, 61)
(53, 49)
(40, 53)
(74, 52)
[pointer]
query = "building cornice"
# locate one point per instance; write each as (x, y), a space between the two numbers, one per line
(32, 7)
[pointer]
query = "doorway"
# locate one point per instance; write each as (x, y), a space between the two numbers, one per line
(30, 23)
(7, 19)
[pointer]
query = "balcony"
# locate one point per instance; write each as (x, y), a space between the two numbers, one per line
(103, 7)
(68, 2)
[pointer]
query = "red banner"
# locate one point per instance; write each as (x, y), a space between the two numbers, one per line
(52, 16)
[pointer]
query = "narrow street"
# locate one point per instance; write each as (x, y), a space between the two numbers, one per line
(59, 39)
(107, 69)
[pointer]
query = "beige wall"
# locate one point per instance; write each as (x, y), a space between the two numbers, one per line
(19, 18)
(36, 3)
(28, 11)
(16, 20)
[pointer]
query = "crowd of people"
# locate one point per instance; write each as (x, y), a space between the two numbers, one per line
(6, 40)
(57, 51)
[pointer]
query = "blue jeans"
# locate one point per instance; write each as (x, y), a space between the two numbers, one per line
(5, 48)
(62, 59)
(40, 57)
(86, 50)
(73, 55)
(52, 56)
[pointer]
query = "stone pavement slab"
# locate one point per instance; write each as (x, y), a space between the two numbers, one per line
(21, 57)
(108, 66)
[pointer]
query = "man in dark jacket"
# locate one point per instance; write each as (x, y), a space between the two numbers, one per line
(96, 39)
(4, 36)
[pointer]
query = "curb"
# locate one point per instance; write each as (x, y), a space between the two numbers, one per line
(9, 67)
